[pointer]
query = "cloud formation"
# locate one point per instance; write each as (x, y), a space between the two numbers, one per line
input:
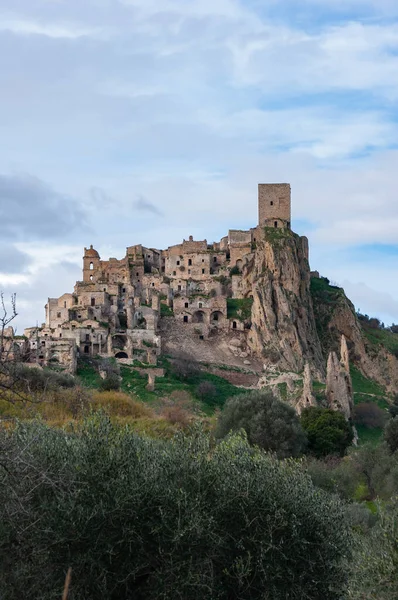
(31, 210)
(142, 204)
(186, 106)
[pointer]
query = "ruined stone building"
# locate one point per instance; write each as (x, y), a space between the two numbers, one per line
(125, 308)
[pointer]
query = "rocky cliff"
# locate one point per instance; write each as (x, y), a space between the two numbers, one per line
(283, 328)
(335, 316)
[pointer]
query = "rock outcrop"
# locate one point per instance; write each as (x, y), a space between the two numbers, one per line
(339, 393)
(335, 316)
(283, 329)
(307, 398)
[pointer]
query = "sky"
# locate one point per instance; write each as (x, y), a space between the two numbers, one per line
(146, 121)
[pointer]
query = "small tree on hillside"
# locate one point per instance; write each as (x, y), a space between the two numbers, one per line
(185, 367)
(327, 430)
(269, 423)
(369, 415)
(391, 435)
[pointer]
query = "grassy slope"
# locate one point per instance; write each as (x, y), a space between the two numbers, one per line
(135, 383)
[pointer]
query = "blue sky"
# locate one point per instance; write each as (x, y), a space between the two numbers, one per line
(145, 121)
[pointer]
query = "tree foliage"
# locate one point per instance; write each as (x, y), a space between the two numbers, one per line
(369, 415)
(138, 518)
(391, 435)
(269, 423)
(327, 430)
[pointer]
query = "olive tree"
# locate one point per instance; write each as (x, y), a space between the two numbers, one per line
(269, 423)
(140, 518)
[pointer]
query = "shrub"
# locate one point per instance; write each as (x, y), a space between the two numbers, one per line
(206, 390)
(393, 409)
(121, 405)
(139, 518)
(327, 430)
(269, 423)
(184, 367)
(111, 382)
(374, 570)
(34, 380)
(369, 415)
(235, 271)
(391, 435)
(176, 415)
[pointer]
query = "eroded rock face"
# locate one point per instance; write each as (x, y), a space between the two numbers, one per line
(339, 318)
(307, 399)
(339, 393)
(283, 328)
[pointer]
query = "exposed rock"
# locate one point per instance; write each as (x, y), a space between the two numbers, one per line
(335, 316)
(339, 393)
(283, 326)
(151, 382)
(307, 399)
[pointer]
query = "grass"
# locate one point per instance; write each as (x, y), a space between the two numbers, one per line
(166, 311)
(276, 235)
(239, 308)
(382, 337)
(318, 385)
(88, 375)
(323, 292)
(135, 383)
(367, 390)
(369, 436)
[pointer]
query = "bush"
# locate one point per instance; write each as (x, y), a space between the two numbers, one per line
(121, 405)
(391, 435)
(184, 367)
(144, 519)
(374, 570)
(34, 380)
(268, 423)
(176, 415)
(393, 409)
(206, 390)
(327, 430)
(112, 382)
(369, 415)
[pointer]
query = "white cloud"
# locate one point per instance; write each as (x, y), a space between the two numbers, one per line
(189, 104)
(51, 30)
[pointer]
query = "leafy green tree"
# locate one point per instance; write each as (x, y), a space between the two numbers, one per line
(327, 430)
(144, 519)
(393, 409)
(391, 435)
(269, 423)
(374, 570)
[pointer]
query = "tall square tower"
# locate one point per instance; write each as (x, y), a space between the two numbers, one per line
(274, 205)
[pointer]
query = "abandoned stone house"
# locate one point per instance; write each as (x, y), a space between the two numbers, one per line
(118, 307)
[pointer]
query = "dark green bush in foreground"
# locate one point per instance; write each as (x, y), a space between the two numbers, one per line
(269, 423)
(327, 430)
(143, 519)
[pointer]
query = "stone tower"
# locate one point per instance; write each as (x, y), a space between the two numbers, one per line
(91, 262)
(274, 205)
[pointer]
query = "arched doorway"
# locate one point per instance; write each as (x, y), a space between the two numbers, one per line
(121, 355)
(198, 317)
(216, 317)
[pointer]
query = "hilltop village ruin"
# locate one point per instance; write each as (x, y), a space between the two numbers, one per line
(118, 308)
